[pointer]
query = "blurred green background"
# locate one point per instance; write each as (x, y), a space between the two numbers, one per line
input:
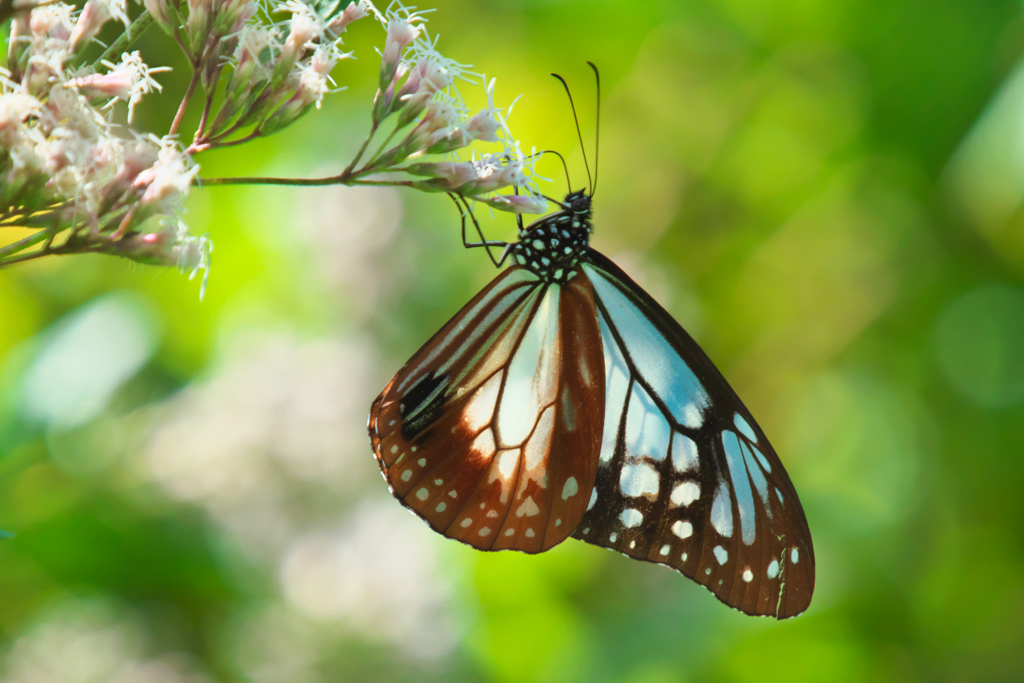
(826, 193)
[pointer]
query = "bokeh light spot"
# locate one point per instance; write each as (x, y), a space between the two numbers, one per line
(979, 340)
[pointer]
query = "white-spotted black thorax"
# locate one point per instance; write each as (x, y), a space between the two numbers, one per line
(551, 246)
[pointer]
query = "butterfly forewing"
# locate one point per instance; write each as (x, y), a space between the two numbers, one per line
(489, 432)
(686, 477)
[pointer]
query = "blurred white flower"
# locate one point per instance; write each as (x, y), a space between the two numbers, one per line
(278, 413)
(379, 575)
(89, 641)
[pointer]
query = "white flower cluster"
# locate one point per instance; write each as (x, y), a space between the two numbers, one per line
(279, 70)
(84, 184)
(63, 165)
(418, 85)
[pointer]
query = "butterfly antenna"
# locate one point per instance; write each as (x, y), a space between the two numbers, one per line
(564, 165)
(578, 133)
(597, 134)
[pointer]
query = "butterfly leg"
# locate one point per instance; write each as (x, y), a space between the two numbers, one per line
(464, 210)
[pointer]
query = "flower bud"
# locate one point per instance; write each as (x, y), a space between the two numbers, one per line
(312, 87)
(516, 203)
(127, 81)
(94, 15)
(304, 27)
(167, 179)
(198, 24)
(352, 13)
(484, 126)
(160, 10)
(401, 33)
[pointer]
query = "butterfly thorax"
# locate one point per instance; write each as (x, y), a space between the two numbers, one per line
(551, 246)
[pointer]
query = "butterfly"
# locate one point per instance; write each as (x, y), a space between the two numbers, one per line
(563, 400)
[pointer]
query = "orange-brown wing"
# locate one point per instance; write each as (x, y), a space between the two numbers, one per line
(491, 432)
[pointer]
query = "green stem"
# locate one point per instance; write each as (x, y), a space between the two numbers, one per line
(21, 245)
(340, 179)
(185, 100)
(362, 150)
(142, 23)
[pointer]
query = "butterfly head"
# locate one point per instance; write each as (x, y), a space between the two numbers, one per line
(578, 204)
(551, 246)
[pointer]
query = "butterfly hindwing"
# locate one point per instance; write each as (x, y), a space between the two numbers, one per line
(686, 477)
(488, 432)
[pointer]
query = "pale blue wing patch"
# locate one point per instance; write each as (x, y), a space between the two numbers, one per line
(684, 453)
(616, 374)
(744, 427)
(721, 510)
(741, 484)
(531, 380)
(657, 362)
(757, 477)
(647, 430)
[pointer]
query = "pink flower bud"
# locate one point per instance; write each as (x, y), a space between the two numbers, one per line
(516, 203)
(127, 81)
(484, 126)
(94, 15)
(352, 13)
(167, 179)
(305, 27)
(401, 32)
(457, 174)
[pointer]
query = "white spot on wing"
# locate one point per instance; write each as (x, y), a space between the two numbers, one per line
(570, 489)
(528, 508)
(407, 475)
(795, 555)
(631, 518)
(593, 498)
(721, 554)
(684, 453)
(773, 569)
(748, 575)
(693, 417)
(685, 493)
(639, 480)
(422, 494)
(682, 529)
(721, 511)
